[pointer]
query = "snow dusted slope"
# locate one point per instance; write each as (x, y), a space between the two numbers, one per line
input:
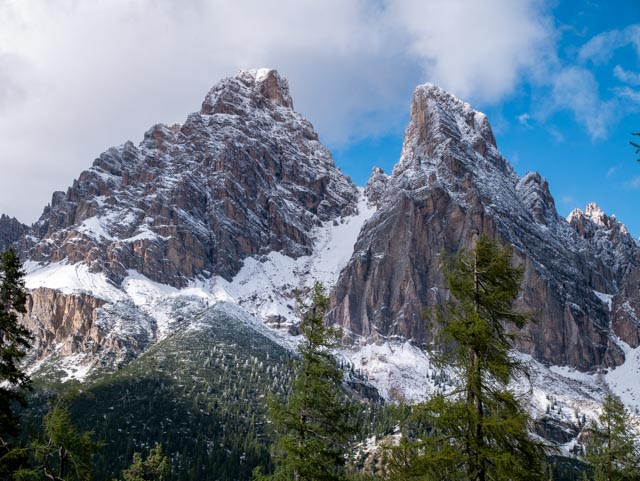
(262, 290)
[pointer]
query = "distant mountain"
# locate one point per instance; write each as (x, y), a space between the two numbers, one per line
(11, 229)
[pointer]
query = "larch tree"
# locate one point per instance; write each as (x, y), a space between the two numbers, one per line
(61, 453)
(613, 449)
(154, 467)
(478, 429)
(313, 424)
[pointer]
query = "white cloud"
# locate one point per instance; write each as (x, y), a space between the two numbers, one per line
(573, 87)
(626, 76)
(600, 48)
(576, 89)
(477, 50)
(634, 183)
(525, 120)
(77, 77)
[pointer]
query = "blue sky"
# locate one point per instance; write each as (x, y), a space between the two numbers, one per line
(559, 80)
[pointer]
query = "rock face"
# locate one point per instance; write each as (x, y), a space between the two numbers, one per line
(65, 321)
(244, 176)
(11, 229)
(451, 184)
(609, 240)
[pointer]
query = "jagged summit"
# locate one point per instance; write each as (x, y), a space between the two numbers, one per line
(439, 122)
(596, 215)
(248, 89)
(244, 176)
(11, 229)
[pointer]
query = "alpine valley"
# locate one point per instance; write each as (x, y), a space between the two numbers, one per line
(161, 282)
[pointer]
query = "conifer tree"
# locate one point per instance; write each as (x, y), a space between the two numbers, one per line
(154, 468)
(313, 424)
(478, 431)
(15, 339)
(62, 453)
(613, 450)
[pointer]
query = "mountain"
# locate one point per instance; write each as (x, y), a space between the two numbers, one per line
(450, 185)
(223, 216)
(244, 176)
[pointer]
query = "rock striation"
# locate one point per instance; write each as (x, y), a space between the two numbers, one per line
(450, 185)
(244, 176)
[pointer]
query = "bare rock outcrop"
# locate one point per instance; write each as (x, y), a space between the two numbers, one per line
(11, 229)
(62, 321)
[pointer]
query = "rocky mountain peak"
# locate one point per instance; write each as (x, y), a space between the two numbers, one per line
(244, 176)
(608, 238)
(440, 122)
(535, 194)
(248, 90)
(450, 184)
(376, 186)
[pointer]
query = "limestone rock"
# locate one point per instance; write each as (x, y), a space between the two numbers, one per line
(244, 176)
(451, 184)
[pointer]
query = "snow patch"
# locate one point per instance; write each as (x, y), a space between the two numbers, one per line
(605, 298)
(71, 278)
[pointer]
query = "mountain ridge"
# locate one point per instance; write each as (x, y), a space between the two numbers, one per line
(241, 204)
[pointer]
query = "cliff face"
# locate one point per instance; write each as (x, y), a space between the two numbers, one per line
(244, 176)
(450, 184)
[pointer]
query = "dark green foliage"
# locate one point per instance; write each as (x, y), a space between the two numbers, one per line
(635, 144)
(62, 453)
(14, 342)
(200, 393)
(154, 468)
(613, 449)
(314, 423)
(478, 431)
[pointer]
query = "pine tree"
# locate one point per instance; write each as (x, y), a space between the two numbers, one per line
(154, 468)
(313, 424)
(613, 450)
(478, 431)
(15, 339)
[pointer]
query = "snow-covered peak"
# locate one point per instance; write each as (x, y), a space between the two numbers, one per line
(441, 123)
(597, 217)
(244, 176)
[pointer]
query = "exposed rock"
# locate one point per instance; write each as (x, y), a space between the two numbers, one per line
(376, 186)
(63, 321)
(450, 184)
(244, 176)
(11, 229)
